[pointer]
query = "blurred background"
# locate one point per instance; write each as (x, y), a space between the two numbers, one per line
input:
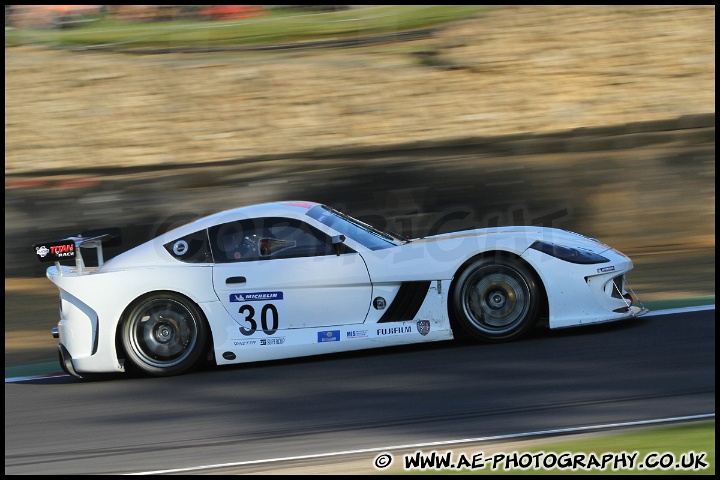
(421, 119)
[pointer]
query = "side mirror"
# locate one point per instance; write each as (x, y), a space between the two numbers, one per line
(338, 242)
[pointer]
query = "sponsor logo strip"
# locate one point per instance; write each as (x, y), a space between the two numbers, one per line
(323, 336)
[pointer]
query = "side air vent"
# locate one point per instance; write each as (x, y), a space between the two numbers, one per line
(618, 286)
(407, 302)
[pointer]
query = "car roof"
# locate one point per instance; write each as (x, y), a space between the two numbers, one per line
(291, 208)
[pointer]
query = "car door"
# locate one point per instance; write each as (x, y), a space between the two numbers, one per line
(279, 273)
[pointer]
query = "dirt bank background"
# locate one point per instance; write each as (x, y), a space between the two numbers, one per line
(514, 70)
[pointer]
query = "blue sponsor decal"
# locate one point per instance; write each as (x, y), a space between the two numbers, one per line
(255, 296)
(329, 336)
(605, 269)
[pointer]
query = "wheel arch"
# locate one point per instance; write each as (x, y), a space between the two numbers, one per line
(120, 349)
(543, 311)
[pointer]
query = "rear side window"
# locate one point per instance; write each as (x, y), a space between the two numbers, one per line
(193, 248)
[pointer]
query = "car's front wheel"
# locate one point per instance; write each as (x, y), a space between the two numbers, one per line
(495, 300)
(163, 334)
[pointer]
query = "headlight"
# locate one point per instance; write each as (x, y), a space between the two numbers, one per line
(572, 255)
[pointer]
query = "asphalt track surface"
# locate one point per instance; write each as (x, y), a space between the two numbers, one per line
(653, 367)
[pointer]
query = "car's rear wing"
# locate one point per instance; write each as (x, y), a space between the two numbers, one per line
(69, 248)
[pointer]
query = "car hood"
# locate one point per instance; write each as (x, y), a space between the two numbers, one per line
(521, 237)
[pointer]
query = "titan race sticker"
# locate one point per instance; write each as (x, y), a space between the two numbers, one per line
(55, 251)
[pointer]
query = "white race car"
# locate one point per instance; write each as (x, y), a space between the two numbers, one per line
(291, 279)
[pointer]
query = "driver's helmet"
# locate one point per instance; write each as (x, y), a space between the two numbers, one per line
(239, 244)
(247, 246)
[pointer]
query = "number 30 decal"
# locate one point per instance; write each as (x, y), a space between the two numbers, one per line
(269, 319)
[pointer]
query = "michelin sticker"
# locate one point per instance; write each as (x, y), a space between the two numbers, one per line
(256, 296)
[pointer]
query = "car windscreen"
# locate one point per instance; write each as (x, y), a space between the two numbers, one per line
(362, 233)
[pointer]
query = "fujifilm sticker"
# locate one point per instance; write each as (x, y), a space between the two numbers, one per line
(381, 332)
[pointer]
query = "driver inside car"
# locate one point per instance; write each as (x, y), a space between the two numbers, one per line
(242, 246)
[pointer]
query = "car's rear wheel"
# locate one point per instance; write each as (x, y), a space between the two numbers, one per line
(495, 300)
(163, 334)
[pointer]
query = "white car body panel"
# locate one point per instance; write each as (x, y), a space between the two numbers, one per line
(92, 346)
(290, 307)
(309, 291)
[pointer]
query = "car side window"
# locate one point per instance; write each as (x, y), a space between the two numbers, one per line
(192, 248)
(266, 239)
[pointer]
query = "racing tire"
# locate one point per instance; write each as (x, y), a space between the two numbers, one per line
(163, 334)
(495, 300)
